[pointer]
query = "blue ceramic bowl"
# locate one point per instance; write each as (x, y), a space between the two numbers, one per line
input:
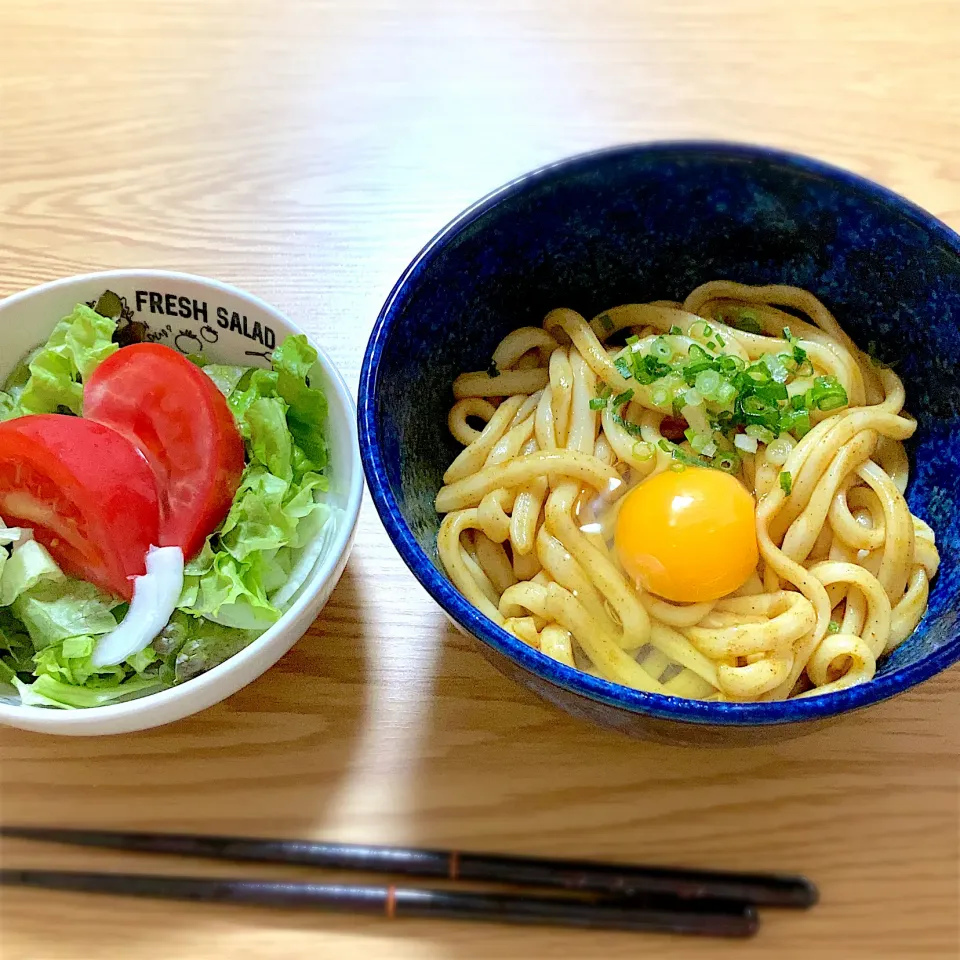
(647, 222)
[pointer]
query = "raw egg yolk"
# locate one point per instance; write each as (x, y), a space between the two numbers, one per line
(688, 536)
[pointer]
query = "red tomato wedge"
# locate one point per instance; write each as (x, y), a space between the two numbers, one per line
(87, 493)
(180, 421)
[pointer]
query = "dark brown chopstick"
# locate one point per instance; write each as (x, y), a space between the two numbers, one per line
(773, 890)
(703, 917)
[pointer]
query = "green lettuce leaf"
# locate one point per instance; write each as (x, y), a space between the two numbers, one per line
(77, 345)
(13, 388)
(16, 649)
(190, 646)
(225, 376)
(304, 408)
(46, 691)
(50, 606)
(71, 662)
(227, 592)
(268, 437)
(9, 408)
(24, 569)
(307, 406)
(258, 519)
(253, 385)
(261, 547)
(52, 612)
(315, 531)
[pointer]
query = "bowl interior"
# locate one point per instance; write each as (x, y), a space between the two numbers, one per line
(199, 316)
(638, 224)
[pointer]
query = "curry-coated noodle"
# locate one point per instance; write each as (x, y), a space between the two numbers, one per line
(701, 499)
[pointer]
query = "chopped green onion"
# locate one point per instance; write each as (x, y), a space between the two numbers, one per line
(632, 428)
(730, 366)
(728, 462)
(623, 367)
(692, 397)
(708, 382)
(661, 349)
(600, 401)
(779, 450)
(796, 422)
(746, 320)
(776, 366)
(621, 398)
(675, 330)
(760, 433)
(678, 467)
(643, 450)
(606, 322)
(709, 450)
(833, 627)
(699, 441)
(758, 372)
(827, 394)
(772, 392)
(756, 406)
(725, 393)
(647, 369)
(632, 340)
(721, 341)
(681, 455)
(786, 482)
(659, 397)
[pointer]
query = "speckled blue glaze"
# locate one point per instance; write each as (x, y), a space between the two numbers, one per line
(646, 222)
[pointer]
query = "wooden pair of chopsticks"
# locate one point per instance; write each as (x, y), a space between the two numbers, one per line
(598, 895)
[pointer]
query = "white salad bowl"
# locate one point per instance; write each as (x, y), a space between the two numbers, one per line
(195, 316)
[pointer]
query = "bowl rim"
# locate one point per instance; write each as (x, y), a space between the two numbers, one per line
(53, 720)
(468, 617)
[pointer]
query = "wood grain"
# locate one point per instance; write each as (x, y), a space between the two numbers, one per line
(305, 151)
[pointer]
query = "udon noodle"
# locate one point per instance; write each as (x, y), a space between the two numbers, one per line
(563, 422)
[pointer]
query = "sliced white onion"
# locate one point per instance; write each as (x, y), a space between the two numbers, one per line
(155, 597)
(742, 442)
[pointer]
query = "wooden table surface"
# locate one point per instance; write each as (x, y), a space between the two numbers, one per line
(305, 151)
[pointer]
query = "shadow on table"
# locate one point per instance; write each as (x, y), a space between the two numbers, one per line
(504, 771)
(469, 760)
(269, 760)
